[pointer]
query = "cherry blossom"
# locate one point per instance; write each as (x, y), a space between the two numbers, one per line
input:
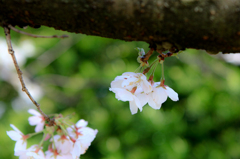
(81, 123)
(37, 120)
(33, 152)
(136, 100)
(63, 144)
(129, 80)
(82, 136)
(55, 154)
(132, 87)
(159, 95)
(19, 137)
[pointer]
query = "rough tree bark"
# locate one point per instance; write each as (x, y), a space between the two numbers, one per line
(201, 24)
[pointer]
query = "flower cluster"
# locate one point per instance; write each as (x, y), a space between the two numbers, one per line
(66, 142)
(138, 90)
(135, 88)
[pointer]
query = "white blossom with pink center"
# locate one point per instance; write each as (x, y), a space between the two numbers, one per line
(159, 95)
(129, 80)
(132, 87)
(82, 137)
(37, 120)
(34, 152)
(19, 137)
(55, 154)
(63, 144)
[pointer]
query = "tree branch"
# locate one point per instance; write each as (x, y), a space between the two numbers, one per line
(201, 24)
(19, 72)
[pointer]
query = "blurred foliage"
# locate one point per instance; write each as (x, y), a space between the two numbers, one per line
(75, 74)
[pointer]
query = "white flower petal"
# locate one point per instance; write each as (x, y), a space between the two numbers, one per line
(143, 98)
(76, 149)
(35, 155)
(14, 135)
(117, 83)
(81, 123)
(34, 112)
(88, 135)
(133, 107)
(153, 104)
(63, 144)
(172, 94)
(20, 145)
(39, 127)
(156, 84)
(122, 94)
(129, 82)
(129, 74)
(37, 120)
(16, 129)
(160, 95)
(146, 86)
(34, 120)
(137, 102)
(85, 138)
(31, 153)
(21, 154)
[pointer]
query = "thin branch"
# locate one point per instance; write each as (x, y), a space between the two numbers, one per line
(161, 54)
(36, 36)
(19, 72)
(146, 57)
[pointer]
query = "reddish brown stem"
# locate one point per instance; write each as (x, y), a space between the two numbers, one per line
(169, 54)
(147, 56)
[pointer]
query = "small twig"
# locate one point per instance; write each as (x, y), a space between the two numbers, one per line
(163, 78)
(146, 57)
(19, 72)
(169, 54)
(36, 36)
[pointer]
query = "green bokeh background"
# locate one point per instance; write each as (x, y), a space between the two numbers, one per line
(204, 123)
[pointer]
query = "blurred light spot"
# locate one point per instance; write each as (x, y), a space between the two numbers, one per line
(233, 81)
(107, 70)
(27, 48)
(176, 73)
(234, 150)
(76, 83)
(231, 58)
(112, 144)
(124, 49)
(118, 65)
(112, 52)
(198, 101)
(87, 69)
(100, 118)
(22, 52)
(179, 146)
(156, 116)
